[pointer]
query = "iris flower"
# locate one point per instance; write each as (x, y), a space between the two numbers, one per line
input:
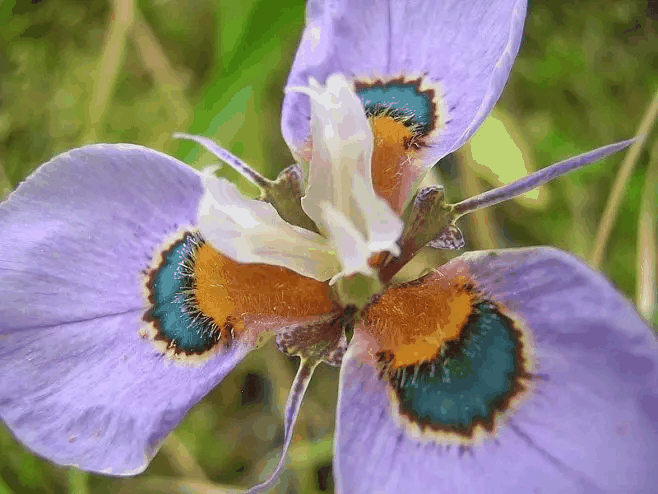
(131, 284)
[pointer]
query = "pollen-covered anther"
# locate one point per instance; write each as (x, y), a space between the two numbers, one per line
(412, 322)
(226, 289)
(377, 259)
(393, 151)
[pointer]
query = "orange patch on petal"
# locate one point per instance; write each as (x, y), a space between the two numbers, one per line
(412, 322)
(393, 152)
(228, 290)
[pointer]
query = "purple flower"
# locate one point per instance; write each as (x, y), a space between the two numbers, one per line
(131, 284)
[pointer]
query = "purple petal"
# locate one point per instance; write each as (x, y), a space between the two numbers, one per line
(538, 178)
(78, 384)
(78, 233)
(94, 395)
(590, 425)
(461, 51)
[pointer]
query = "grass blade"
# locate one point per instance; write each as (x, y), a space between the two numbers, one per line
(647, 241)
(619, 187)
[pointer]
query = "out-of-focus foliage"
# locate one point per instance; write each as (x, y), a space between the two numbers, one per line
(75, 72)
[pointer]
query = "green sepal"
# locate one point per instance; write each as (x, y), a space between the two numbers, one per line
(285, 194)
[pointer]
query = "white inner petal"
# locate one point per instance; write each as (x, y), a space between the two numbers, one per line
(340, 199)
(351, 247)
(340, 168)
(240, 215)
(342, 146)
(251, 231)
(382, 225)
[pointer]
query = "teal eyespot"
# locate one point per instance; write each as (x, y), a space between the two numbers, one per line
(174, 313)
(403, 100)
(472, 381)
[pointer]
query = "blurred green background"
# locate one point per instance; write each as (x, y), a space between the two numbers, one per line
(76, 72)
